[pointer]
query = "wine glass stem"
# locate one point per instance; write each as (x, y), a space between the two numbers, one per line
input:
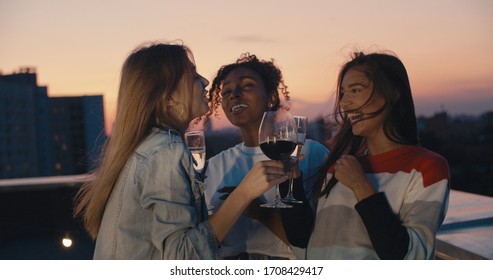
(290, 191)
(278, 194)
(291, 175)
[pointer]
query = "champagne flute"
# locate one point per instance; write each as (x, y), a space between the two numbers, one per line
(277, 138)
(301, 126)
(195, 141)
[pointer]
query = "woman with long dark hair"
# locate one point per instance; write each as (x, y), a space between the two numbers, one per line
(380, 195)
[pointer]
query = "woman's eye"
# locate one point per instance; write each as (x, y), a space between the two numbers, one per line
(225, 92)
(355, 90)
(247, 86)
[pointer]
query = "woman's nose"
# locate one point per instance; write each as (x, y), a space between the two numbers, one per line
(205, 82)
(236, 92)
(344, 101)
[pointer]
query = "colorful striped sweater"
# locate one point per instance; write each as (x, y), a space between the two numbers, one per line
(400, 221)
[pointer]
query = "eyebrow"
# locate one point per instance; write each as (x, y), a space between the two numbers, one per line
(357, 84)
(240, 78)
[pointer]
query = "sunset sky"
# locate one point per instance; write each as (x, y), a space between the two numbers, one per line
(78, 47)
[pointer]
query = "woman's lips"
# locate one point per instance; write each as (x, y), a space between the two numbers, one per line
(238, 107)
(355, 115)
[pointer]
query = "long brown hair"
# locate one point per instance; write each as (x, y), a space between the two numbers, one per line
(390, 80)
(150, 76)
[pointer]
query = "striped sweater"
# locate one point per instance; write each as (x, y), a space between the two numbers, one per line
(400, 221)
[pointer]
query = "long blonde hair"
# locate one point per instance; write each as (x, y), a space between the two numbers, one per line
(149, 77)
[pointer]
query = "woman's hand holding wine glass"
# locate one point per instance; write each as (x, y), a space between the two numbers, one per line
(262, 176)
(277, 138)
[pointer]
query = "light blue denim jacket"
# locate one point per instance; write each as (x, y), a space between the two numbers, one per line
(157, 208)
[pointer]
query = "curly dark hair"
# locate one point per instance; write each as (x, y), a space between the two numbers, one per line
(268, 72)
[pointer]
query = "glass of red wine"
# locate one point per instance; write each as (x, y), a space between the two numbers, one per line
(277, 138)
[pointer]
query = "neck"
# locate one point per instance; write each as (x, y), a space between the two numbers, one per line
(250, 137)
(380, 147)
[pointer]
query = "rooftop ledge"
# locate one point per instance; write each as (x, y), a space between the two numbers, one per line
(466, 233)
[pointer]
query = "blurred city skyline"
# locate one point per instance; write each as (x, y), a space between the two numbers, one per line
(425, 106)
(78, 47)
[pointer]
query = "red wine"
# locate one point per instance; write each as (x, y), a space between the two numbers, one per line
(279, 150)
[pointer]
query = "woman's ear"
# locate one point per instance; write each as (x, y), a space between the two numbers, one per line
(273, 101)
(169, 101)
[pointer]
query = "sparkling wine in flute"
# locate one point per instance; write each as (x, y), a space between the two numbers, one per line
(195, 141)
(301, 138)
(299, 145)
(199, 158)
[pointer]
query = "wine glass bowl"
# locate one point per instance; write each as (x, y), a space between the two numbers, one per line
(277, 138)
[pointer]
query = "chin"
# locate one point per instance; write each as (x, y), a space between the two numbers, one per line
(356, 132)
(235, 122)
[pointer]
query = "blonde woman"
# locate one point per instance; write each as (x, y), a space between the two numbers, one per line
(145, 200)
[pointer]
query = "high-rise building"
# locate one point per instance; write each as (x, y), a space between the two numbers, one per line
(43, 136)
(78, 133)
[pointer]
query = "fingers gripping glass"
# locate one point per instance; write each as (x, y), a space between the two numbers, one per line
(277, 138)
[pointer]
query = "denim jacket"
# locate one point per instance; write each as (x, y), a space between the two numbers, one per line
(157, 208)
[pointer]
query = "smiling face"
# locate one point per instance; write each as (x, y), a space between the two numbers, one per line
(362, 104)
(244, 99)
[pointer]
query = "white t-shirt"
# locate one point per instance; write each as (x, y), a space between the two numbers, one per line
(228, 169)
